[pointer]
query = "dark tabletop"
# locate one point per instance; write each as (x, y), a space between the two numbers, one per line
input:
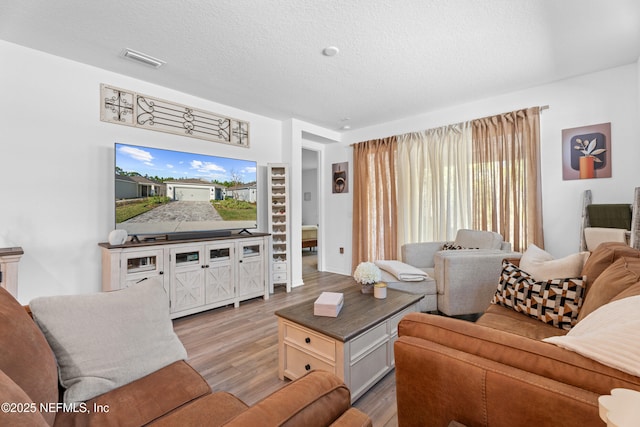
(359, 312)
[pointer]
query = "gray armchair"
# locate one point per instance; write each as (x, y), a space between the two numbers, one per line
(466, 279)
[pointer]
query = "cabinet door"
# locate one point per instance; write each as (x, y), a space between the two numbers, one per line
(219, 274)
(250, 268)
(138, 266)
(187, 278)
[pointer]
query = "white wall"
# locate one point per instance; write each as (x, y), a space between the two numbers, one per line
(607, 96)
(56, 164)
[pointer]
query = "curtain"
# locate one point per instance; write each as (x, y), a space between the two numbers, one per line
(374, 201)
(506, 177)
(434, 183)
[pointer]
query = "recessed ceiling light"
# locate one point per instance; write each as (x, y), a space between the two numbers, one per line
(330, 51)
(142, 58)
(346, 127)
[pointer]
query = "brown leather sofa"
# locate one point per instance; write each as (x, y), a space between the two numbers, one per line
(172, 396)
(498, 372)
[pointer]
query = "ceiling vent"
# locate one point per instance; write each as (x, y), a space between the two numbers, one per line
(142, 58)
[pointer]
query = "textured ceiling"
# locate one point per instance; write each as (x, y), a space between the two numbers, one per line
(397, 58)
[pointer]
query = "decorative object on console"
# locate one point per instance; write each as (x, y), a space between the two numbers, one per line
(367, 274)
(126, 107)
(118, 237)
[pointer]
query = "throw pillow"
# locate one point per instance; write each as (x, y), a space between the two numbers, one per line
(453, 247)
(556, 302)
(106, 340)
(620, 275)
(541, 265)
(600, 335)
(605, 255)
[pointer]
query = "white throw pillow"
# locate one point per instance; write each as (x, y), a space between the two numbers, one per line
(608, 335)
(106, 340)
(542, 266)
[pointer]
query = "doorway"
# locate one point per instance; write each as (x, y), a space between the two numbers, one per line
(310, 211)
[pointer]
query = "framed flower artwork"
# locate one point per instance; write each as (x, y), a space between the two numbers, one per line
(586, 152)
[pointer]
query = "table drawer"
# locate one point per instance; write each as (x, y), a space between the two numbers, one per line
(298, 363)
(366, 342)
(310, 341)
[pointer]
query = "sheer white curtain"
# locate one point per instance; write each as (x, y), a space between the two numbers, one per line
(434, 184)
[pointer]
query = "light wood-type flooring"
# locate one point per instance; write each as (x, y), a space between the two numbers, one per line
(236, 349)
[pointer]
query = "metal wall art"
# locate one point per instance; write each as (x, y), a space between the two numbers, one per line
(129, 108)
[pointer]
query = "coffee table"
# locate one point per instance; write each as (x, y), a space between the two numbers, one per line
(357, 346)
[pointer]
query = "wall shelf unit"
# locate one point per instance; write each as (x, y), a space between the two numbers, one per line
(279, 221)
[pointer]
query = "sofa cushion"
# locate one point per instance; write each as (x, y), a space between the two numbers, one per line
(605, 255)
(103, 341)
(541, 265)
(478, 239)
(556, 302)
(30, 362)
(623, 273)
(608, 335)
(508, 320)
(144, 400)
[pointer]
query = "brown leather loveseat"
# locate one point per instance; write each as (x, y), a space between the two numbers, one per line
(175, 395)
(498, 372)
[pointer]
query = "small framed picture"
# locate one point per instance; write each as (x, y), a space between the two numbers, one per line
(340, 177)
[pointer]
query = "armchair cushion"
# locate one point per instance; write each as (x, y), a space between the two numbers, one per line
(478, 239)
(105, 340)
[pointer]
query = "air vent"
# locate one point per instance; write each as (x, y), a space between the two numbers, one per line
(142, 58)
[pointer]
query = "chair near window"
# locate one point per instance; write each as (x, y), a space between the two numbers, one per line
(466, 270)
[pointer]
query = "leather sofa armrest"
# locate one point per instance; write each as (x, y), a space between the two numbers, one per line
(317, 399)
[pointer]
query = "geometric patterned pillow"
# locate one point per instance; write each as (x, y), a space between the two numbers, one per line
(556, 302)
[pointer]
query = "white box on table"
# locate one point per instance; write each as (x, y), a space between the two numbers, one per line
(328, 304)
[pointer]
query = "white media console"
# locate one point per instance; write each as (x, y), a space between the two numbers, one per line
(196, 274)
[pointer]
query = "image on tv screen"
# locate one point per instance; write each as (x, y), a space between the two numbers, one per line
(161, 191)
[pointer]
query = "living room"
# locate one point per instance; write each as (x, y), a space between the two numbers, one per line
(57, 156)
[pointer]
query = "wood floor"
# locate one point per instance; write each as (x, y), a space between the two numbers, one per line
(236, 349)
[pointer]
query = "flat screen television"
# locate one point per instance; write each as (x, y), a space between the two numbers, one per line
(177, 194)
